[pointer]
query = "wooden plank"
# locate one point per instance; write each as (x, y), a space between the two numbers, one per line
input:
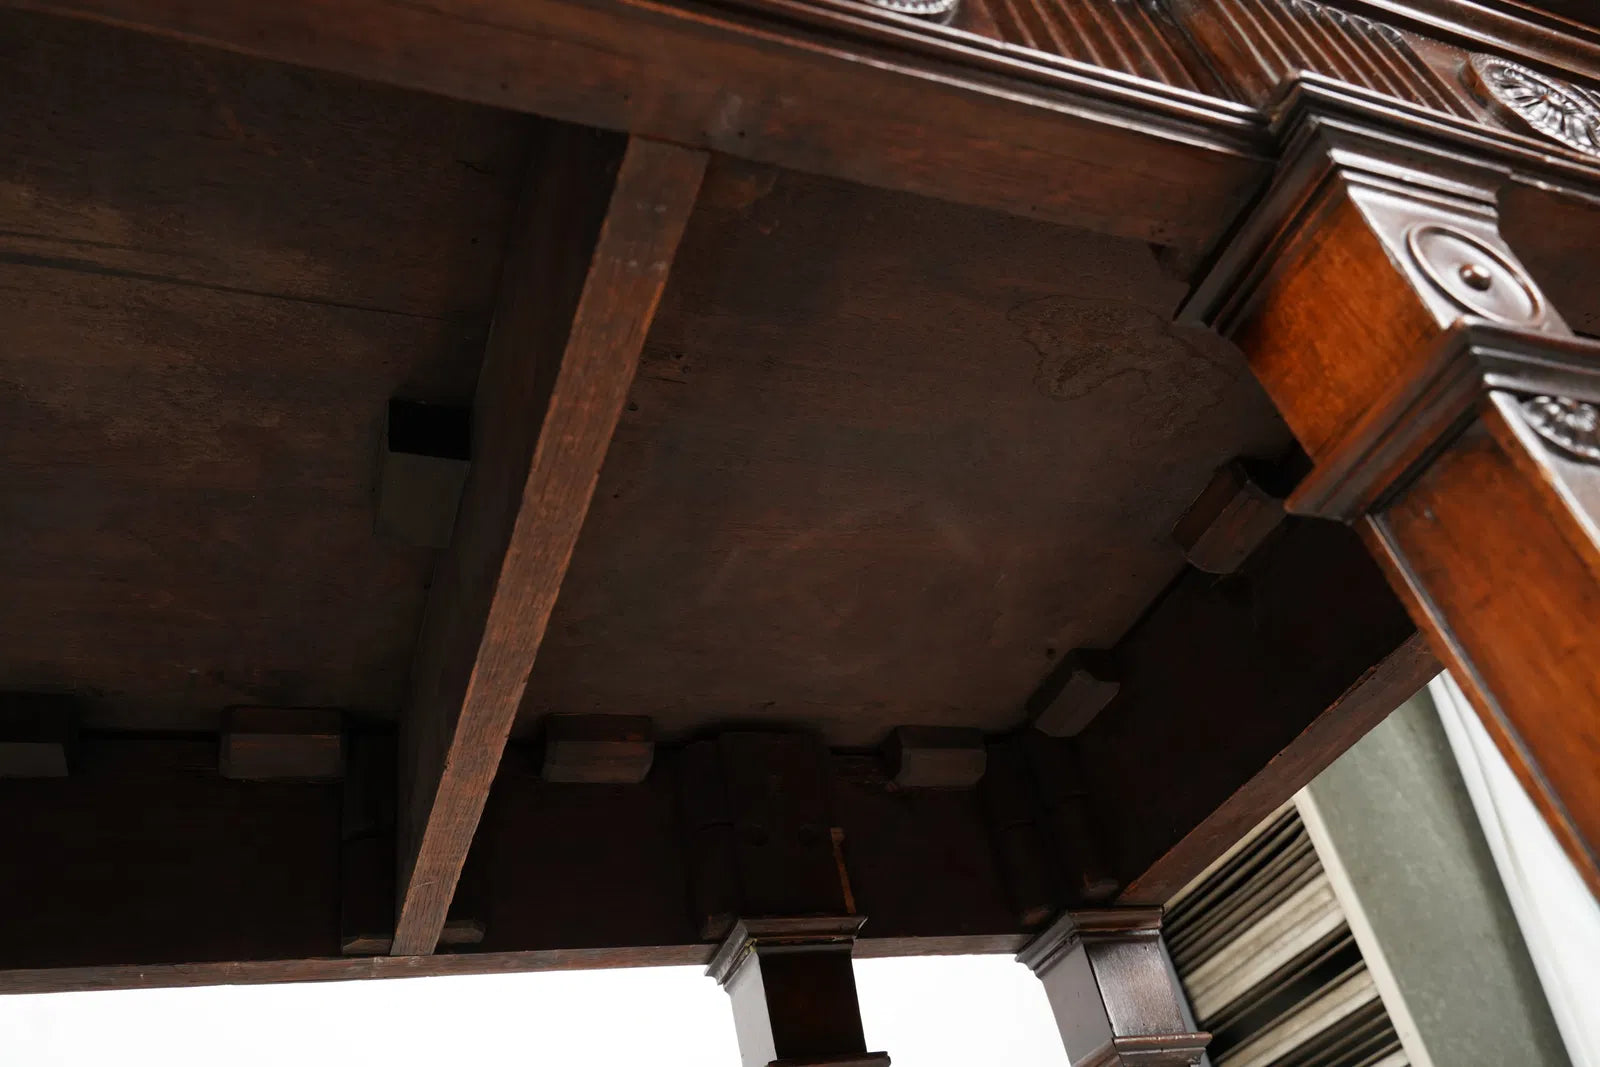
(1236, 692)
(885, 102)
(588, 262)
(334, 969)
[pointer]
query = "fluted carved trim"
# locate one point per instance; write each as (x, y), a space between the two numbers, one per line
(1137, 37)
(1258, 45)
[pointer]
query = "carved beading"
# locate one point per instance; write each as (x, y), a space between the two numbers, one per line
(1573, 426)
(1260, 45)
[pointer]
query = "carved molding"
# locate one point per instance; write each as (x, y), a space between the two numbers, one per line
(934, 10)
(1540, 102)
(1137, 37)
(1475, 276)
(1259, 45)
(1573, 426)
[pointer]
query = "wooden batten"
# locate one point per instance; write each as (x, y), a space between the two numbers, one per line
(599, 228)
(36, 735)
(1077, 690)
(936, 757)
(1228, 520)
(427, 450)
(598, 749)
(263, 744)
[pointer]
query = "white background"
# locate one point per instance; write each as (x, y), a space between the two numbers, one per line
(950, 1011)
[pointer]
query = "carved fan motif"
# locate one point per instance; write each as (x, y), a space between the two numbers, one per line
(1549, 105)
(937, 10)
(1571, 425)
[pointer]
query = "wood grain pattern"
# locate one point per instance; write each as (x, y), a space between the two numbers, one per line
(855, 490)
(811, 87)
(1496, 545)
(586, 270)
(207, 297)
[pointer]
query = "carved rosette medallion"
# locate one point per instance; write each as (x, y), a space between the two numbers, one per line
(1548, 105)
(1573, 426)
(1474, 275)
(933, 10)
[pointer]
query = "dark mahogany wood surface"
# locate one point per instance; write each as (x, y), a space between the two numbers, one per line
(146, 854)
(215, 275)
(589, 258)
(911, 427)
(817, 88)
(884, 462)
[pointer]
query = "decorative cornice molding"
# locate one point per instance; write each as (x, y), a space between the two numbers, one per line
(1116, 92)
(1260, 45)
(1539, 102)
(1522, 33)
(1328, 128)
(1136, 37)
(1093, 925)
(1376, 458)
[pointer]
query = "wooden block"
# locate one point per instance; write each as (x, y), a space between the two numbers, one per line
(598, 749)
(463, 932)
(1079, 688)
(936, 757)
(426, 455)
(36, 735)
(260, 744)
(1228, 521)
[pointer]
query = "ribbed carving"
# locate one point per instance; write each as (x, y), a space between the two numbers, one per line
(1136, 37)
(1258, 44)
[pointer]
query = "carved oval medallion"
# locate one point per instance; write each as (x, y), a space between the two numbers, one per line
(1477, 277)
(936, 10)
(1571, 425)
(1548, 105)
